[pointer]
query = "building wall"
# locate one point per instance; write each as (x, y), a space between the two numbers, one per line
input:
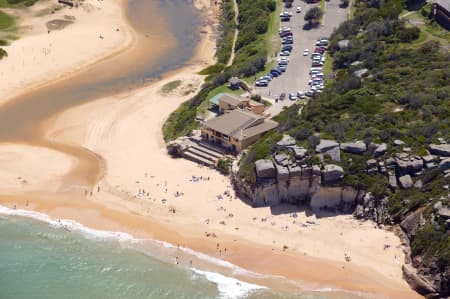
(441, 15)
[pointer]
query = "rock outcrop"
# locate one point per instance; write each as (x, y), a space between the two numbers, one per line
(440, 149)
(357, 147)
(265, 169)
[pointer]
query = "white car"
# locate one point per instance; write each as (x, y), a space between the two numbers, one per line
(301, 95)
(292, 96)
(298, 9)
(305, 52)
(283, 59)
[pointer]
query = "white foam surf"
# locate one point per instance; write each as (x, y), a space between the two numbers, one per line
(228, 287)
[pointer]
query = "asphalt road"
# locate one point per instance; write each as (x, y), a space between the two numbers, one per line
(297, 74)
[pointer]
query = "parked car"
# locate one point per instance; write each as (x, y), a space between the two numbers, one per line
(261, 83)
(309, 93)
(298, 9)
(315, 69)
(285, 33)
(305, 52)
(320, 49)
(283, 59)
(285, 53)
(285, 19)
(301, 95)
(292, 96)
(317, 63)
(283, 67)
(282, 96)
(287, 48)
(268, 78)
(284, 29)
(287, 42)
(286, 14)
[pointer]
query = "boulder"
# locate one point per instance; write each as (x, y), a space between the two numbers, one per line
(326, 145)
(398, 142)
(359, 212)
(445, 164)
(371, 163)
(444, 213)
(286, 141)
(380, 150)
(334, 153)
(411, 223)
(332, 173)
(416, 282)
(299, 152)
(405, 181)
(428, 159)
(282, 173)
(356, 147)
(360, 73)
(440, 149)
(265, 169)
(393, 181)
(437, 206)
(280, 158)
(418, 184)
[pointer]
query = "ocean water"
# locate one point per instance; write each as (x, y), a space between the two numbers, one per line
(53, 260)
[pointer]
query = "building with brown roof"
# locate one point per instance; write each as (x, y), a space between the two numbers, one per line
(440, 11)
(227, 101)
(236, 129)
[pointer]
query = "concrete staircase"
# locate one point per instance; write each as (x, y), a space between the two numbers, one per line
(202, 153)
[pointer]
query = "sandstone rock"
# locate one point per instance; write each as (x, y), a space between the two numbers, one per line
(398, 142)
(360, 73)
(429, 158)
(440, 149)
(444, 213)
(380, 150)
(332, 173)
(282, 173)
(334, 153)
(430, 165)
(286, 141)
(371, 163)
(359, 212)
(437, 206)
(356, 147)
(416, 282)
(390, 162)
(402, 156)
(418, 184)
(393, 181)
(407, 149)
(280, 158)
(405, 181)
(299, 152)
(306, 172)
(265, 169)
(411, 223)
(295, 171)
(326, 145)
(445, 164)
(316, 170)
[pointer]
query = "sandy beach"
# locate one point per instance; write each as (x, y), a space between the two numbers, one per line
(150, 195)
(41, 55)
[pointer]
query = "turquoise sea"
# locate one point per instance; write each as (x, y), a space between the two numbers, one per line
(51, 259)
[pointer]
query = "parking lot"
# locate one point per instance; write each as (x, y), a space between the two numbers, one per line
(296, 76)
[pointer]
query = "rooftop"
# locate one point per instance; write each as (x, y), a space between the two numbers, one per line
(240, 124)
(227, 98)
(443, 3)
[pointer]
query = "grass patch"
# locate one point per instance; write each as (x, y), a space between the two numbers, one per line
(203, 108)
(212, 69)
(6, 21)
(17, 3)
(328, 68)
(171, 86)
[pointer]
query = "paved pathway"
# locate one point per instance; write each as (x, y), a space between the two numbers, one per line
(236, 32)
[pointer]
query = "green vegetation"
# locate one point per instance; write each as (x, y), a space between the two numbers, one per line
(404, 95)
(224, 166)
(3, 53)
(6, 21)
(171, 86)
(17, 3)
(228, 28)
(314, 15)
(257, 29)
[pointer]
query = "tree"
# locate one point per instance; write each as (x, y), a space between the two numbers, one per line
(313, 15)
